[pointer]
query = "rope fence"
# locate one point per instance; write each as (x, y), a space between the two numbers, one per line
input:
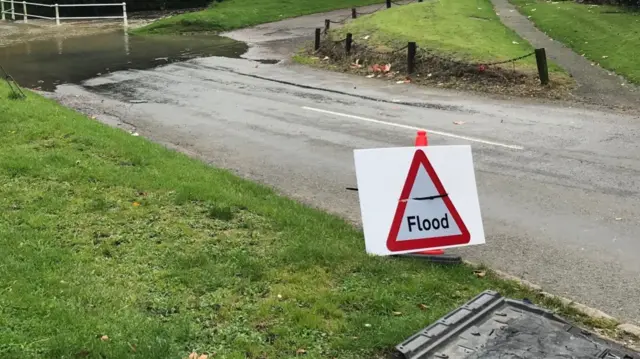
(355, 12)
(419, 57)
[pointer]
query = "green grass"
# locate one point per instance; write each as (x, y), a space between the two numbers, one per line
(610, 39)
(465, 29)
(235, 14)
(107, 234)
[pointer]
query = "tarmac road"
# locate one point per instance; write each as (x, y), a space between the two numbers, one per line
(559, 187)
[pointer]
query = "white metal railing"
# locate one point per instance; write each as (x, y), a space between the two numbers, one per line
(57, 18)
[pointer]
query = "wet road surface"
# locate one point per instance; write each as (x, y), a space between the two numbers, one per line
(558, 187)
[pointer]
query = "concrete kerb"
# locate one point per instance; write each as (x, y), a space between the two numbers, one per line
(626, 328)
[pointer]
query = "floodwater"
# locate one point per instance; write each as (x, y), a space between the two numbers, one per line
(43, 64)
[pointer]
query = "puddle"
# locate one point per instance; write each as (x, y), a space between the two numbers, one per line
(267, 62)
(43, 64)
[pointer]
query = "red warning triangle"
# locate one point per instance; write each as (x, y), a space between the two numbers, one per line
(425, 218)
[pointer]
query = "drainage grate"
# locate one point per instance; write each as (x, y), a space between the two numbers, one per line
(491, 326)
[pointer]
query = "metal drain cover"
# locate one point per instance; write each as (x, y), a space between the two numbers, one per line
(491, 326)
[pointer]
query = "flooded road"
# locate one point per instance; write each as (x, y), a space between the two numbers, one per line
(44, 64)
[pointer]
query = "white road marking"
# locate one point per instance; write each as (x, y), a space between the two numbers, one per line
(409, 127)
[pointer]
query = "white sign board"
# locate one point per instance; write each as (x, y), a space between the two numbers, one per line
(418, 198)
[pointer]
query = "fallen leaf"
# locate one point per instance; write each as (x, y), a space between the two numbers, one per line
(604, 56)
(301, 351)
(368, 325)
(367, 37)
(458, 122)
(479, 273)
(133, 347)
(135, 204)
(397, 313)
(135, 134)
(326, 58)
(279, 296)
(104, 338)
(515, 42)
(423, 306)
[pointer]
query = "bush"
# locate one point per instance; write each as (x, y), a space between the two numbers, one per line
(624, 3)
(132, 6)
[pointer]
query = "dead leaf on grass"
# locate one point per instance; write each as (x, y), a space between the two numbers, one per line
(136, 204)
(104, 338)
(301, 351)
(423, 306)
(480, 273)
(397, 314)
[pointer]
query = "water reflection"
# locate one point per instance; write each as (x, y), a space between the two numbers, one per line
(46, 63)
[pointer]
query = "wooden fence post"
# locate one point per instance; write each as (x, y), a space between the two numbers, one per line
(388, 4)
(348, 43)
(327, 24)
(543, 69)
(354, 13)
(411, 57)
(317, 44)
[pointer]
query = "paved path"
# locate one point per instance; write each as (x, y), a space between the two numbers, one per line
(594, 83)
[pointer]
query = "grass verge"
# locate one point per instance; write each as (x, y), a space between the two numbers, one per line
(455, 38)
(467, 30)
(116, 247)
(607, 35)
(235, 14)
